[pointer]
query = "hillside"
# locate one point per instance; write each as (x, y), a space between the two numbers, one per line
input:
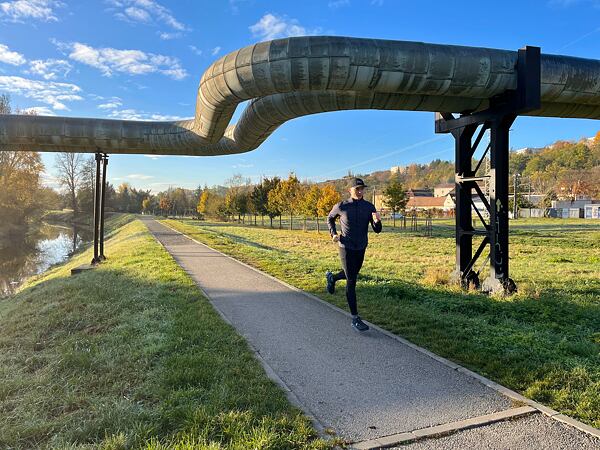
(566, 168)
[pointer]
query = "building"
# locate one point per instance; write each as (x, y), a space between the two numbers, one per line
(399, 169)
(421, 203)
(443, 189)
(592, 211)
(419, 193)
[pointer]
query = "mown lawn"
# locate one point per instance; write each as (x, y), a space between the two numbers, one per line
(131, 355)
(543, 342)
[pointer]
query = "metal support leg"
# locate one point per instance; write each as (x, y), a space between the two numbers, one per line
(499, 280)
(96, 258)
(102, 203)
(463, 192)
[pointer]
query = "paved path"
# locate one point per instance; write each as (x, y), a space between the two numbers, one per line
(363, 386)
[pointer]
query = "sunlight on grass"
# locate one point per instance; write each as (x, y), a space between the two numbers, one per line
(542, 342)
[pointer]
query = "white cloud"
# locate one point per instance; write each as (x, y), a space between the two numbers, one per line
(48, 92)
(138, 176)
(147, 12)
(132, 62)
(8, 57)
(156, 156)
(335, 4)
(20, 10)
(50, 68)
(132, 114)
(195, 50)
(168, 36)
(138, 14)
(39, 110)
(113, 103)
(215, 50)
(271, 26)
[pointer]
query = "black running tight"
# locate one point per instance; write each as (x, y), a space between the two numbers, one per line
(352, 261)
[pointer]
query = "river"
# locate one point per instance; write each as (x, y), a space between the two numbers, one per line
(34, 254)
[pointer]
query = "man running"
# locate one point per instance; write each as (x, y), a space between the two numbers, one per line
(355, 215)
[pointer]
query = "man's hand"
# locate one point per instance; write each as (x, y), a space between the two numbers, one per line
(376, 217)
(335, 238)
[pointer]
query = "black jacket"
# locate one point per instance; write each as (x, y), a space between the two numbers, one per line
(355, 216)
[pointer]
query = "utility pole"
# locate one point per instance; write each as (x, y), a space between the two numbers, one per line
(515, 210)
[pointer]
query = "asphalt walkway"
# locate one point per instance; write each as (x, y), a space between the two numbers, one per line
(370, 388)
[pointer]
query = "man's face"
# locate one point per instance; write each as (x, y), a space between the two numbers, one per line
(357, 192)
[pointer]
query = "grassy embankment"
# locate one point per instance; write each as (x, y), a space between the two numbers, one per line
(132, 355)
(543, 342)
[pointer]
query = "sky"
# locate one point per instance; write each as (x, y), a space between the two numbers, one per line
(143, 59)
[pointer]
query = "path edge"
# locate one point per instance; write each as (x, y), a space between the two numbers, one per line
(269, 371)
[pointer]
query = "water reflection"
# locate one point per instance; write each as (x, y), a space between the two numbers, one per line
(24, 256)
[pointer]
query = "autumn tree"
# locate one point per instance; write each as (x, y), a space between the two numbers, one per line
(165, 205)
(20, 186)
(329, 197)
(394, 196)
(286, 196)
(309, 203)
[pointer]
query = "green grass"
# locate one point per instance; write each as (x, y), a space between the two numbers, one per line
(543, 342)
(131, 355)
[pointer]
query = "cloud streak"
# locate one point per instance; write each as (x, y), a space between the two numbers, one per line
(132, 62)
(48, 92)
(21, 10)
(148, 12)
(10, 57)
(271, 26)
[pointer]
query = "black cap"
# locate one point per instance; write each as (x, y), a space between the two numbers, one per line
(357, 182)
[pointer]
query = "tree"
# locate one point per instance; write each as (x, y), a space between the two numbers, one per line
(329, 197)
(69, 166)
(146, 205)
(309, 203)
(395, 197)
(286, 196)
(211, 204)
(21, 199)
(85, 193)
(165, 205)
(271, 205)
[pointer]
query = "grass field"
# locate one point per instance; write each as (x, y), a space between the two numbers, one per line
(131, 355)
(543, 342)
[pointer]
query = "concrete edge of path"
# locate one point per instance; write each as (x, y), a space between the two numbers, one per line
(271, 374)
(442, 430)
(518, 398)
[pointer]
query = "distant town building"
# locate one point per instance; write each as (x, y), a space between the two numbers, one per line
(399, 169)
(443, 189)
(445, 203)
(419, 193)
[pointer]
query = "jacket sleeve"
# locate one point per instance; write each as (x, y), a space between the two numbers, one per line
(334, 214)
(377, 227)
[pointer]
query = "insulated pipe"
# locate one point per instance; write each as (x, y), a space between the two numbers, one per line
(293, 77)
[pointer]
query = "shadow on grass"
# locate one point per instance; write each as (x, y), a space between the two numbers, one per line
(117, 357)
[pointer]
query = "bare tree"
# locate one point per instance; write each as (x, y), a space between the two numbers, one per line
(70, 168)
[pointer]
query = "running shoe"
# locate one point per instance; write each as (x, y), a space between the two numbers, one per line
(359, 325)
(330, 282)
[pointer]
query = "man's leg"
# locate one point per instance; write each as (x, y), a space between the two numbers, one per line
(353, 262)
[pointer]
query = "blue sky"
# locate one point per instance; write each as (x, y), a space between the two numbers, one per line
(143, 59)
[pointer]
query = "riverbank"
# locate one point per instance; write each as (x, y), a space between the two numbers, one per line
(132, 355)
(542, 342)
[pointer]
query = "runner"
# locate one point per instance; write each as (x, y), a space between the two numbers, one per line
(355, 215)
